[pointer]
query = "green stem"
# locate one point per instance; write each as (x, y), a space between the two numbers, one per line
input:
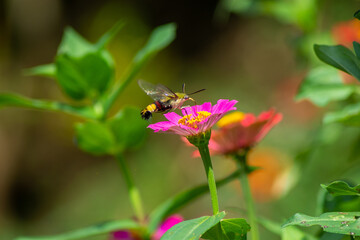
(134, 194)
(205, 156)
(241, 161)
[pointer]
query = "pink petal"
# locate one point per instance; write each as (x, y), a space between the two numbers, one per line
(204, 107)
(163, 126)
(224, 105)
(166, 225)
(173, 117)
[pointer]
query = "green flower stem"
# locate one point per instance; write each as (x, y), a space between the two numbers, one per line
(241, 161)
(134, 194)
(205, 156)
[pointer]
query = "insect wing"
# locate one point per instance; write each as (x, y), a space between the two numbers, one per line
(156, 92)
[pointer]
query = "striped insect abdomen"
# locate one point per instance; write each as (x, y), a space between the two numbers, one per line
(157, 106)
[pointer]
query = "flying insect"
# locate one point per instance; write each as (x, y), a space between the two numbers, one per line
(164, 98)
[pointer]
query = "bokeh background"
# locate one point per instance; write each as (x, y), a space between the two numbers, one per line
(48, 186)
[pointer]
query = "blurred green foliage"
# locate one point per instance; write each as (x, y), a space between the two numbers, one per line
(240, 56)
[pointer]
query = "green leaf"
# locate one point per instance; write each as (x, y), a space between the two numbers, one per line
(339, 57)
(298, 12)
(109, 35)
(48, 70)
(323, 85)
(173, 204)
(13, 100)
(330, 203)
(70, 78)
(293, 233)
(333, 236)
(356, 46)
(85, 233)
(160, 38)
(340, 188)
(128, 128)
(231, 229)
(334, 222)
(83, 69)
(192, 229)
(74, 45)
(357, 14)
(95, 138)
(84, 77)
(350, 115)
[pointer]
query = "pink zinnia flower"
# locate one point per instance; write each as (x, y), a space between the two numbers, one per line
(165, 225)
(197, 119)
(239, 131)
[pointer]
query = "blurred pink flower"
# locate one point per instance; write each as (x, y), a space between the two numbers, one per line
(239, 131)
(197, 119)
(165, 225)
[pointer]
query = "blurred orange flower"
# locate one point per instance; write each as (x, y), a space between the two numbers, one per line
(346, 32)
(273, 177)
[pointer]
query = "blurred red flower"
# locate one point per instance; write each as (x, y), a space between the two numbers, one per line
(238, 131)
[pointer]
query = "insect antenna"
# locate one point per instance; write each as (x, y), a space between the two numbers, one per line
(183, 88)
(197, 91)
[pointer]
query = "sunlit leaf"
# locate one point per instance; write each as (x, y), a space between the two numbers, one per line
(173, 204)
(339, 57)
(323, 85)
(48, 70)
(230, 229)
(349, 115)
(85, 233)
(95, 138)
(128, 128)
(73, 44)
(341, 188)
(192, 229)
(335, 222)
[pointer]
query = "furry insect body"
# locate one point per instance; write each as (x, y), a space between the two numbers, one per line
(165, 99)
(157, 106)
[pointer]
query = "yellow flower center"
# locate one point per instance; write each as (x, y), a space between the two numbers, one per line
(231, 118)
(192, 121)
